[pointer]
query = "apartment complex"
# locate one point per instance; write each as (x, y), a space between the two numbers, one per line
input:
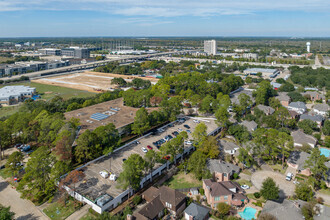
(210, 47)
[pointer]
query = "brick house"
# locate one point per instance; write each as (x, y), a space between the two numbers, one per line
(227, 192)
(221, 170)
(297, 160)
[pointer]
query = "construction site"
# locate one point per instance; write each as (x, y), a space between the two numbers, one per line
(89, 80)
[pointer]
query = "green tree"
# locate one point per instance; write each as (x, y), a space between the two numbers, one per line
(200, 133)
(141, 122)
(119, 81)
(316, 164)
(14, 162)
(304, 191)
(108, 137)
(308, 211)
(223, 209)
(222, 116)
(269, 189)
(5, 213)
(37, 183)
(244, 157)
(264, 92)
(209, 147)
(132, 173)
(150, 158)
(326, 127)
(286, 87)
(88, 147)
(308, 126)
(197, 164)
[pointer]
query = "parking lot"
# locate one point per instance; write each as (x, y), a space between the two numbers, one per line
(94, 186)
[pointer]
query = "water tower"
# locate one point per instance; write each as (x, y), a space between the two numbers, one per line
(308, 44)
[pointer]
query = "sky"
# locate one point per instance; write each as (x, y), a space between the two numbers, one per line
(78, 18)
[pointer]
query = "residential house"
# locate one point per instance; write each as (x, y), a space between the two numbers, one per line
(297, 160)
(266, 109)
(321, 109)
(221, 170)
(227, 192)
(300, 138)
(235, 94)
(285, 210)
(315, 118)
(313, 95)
(298, 107)
(228, 147)
(196, 212)
(275, 85)
(293, 114)
(283, 98)
(250, 125)
(158, 200)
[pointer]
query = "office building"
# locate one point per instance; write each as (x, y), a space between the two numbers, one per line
(50, 51)
(10, 95)
(210, 47)
(76, 52)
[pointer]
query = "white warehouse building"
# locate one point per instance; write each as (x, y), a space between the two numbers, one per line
(10, 95)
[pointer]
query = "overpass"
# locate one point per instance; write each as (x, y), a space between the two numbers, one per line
(90, 65)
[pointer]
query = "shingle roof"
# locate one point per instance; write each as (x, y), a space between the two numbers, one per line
(302, 138)
(322, 107)
(221, 166)
(316, 118)
(152, 209)
(298, 105)
(282, 96)
(250, 125)
(284, 210)
(266, 109)
(299, 158)
(222, 188)
(228, 145)
(171, 196)
(197, 211)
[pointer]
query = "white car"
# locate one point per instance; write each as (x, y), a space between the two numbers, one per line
(245, 187)
(144, 150)
(188, 143)
(289, 176)
(196, 121)
(179, 129)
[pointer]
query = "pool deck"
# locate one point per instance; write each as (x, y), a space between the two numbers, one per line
(326, 149)
(251, 206)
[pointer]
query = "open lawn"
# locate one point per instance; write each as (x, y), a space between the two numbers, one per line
(88, 216)
(182, 181)
(58, 211)
(278, 168)
(48, 92)
(325, 191)
(244, 182)
(5, 173)
(8, 110)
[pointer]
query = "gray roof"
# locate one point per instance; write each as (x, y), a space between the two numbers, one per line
(250, 125)
(228, 145)
(234, 96)
(313, 94)
(285, 210)
(316, 118)
(275, 84)
(298, 105)
(221, 166)
(262, 70)
(322, 107)
(197, 211)
(283, 96)
(302, 138)
(15, 91)
(299, 158)
(266, 109)
(324, 213)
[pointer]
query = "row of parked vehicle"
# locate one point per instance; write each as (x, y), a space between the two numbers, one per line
(23, 148)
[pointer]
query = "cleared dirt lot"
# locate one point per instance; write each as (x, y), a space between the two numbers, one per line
(94, 185)
(24, 209)
(286, 186)
(88, 81)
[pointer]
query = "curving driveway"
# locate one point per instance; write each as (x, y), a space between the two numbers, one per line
(286, 187)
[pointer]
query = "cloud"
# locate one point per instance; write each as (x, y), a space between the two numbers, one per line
(169, 8)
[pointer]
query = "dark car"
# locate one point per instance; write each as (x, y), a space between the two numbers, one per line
(175, 133)
(124, 159)
(170, 137)
(186, 126)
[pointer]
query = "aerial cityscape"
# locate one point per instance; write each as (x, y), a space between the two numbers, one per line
(145, 110)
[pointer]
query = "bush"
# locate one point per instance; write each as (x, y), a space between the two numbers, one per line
(137, 200)
(201, 191)
(257, 195)
(320, 200)
(235, 176)
(258, 203)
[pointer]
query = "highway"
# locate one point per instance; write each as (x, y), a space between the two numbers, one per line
(91, 65)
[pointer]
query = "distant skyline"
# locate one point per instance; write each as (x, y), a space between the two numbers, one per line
(79, 18)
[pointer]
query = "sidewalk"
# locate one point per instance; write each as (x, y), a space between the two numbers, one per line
(79, 214)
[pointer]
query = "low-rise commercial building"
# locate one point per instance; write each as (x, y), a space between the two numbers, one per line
(271, 73)
(10, 95)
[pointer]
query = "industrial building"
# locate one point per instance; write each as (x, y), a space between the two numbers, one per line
(50, 51)
(76, 52)
(10, 95)
(271, 73)
(210, 47)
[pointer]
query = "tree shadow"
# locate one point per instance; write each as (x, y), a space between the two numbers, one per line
(3, 185)
(28, 217)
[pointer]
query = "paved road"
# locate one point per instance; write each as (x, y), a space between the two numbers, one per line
(79, 214)
(24, 209)
(285, 186)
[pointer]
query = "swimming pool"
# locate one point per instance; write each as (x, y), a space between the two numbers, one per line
(325, 152)
(248, 213)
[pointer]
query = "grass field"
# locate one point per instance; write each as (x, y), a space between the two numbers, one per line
(5, 59)
(182, 181)
(47, 92)
(58, 211)
(244, 182)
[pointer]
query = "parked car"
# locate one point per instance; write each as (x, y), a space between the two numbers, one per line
(166, 157)
(186, 126)
(144, 150)
(289, 176)
(245, 187)
(149, 147)
(188, 143)
(196, 121)
(180, 129)
(124, 159)
(188, 131)
(175, 133)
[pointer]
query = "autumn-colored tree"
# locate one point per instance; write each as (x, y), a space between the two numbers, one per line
(70, 181)
(63, 149)
(155, 100)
